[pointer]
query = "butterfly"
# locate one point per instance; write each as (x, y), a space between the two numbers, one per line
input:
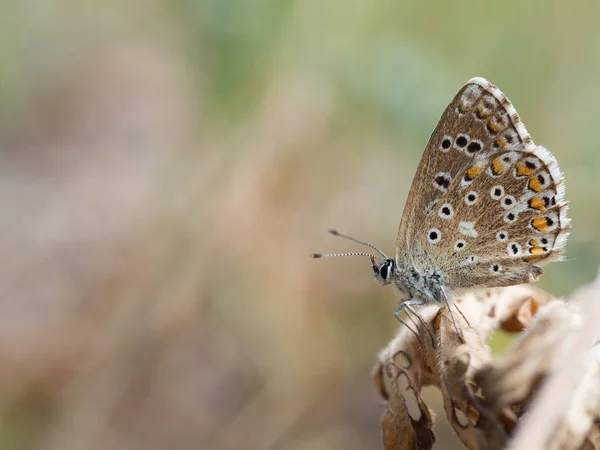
(486, 207)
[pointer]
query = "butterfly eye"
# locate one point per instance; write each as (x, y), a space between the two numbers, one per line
(386, 271)
(383, 271)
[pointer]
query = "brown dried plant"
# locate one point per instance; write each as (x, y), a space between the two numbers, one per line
(544, 393)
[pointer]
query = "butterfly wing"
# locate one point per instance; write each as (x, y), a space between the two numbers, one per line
(486, 206)
(447, 154)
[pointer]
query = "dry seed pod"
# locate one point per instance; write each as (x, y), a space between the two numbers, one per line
(452, 364)
(565, 412)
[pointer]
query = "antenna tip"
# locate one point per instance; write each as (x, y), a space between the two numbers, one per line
(333, 231)
(316, 255)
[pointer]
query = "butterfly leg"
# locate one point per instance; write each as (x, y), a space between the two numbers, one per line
(408, 305)
(396, 314)
(458, 333)
(461, 313)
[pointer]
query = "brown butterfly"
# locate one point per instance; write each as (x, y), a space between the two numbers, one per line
(486, 207)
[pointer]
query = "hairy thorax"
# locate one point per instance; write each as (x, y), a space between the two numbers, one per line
(411, 283)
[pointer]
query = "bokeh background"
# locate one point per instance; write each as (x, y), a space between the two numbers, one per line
(166, 167)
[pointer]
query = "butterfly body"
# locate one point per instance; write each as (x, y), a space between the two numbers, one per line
(425, 284)
(410, 282)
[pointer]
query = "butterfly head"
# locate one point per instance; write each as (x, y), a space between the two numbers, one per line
(384, 272)
(384, 267)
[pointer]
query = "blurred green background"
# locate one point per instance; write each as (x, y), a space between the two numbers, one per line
(167, 166)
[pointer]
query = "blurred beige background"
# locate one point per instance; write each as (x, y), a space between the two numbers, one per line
(166, 167)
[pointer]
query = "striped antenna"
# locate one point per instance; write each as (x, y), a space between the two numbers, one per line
(358, 241)
(332, 255)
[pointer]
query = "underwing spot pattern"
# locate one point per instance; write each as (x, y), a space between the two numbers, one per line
(471, 173)
(497, 123)
(469, 261)
(460, 245)
(461, 141)
(446, 144)
(492, 194)
(431, 206)
(497, 192)
(442, 181)
(471, 198)
(526, 167)
(496, 268)
(537, 247)
(541, 203)
(467, 229)
(485, 107)
(474, 147)
(468, 99)
(544, 224)
(501, 164)
(511, 217)
(539, 182)
(514, 249)
(434, 236)
(508, 202)
(446, 211)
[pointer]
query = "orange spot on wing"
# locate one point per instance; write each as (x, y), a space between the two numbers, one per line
(537, 203)
(497, 167)
(534, 184)
(534, 258)
(474, 171)
(540, 224)
(501, 142)
(493, 126)
(536, 251)
(482, 113)
(523, 170)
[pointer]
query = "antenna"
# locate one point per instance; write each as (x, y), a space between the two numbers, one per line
(332, 255)
(358, 241)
